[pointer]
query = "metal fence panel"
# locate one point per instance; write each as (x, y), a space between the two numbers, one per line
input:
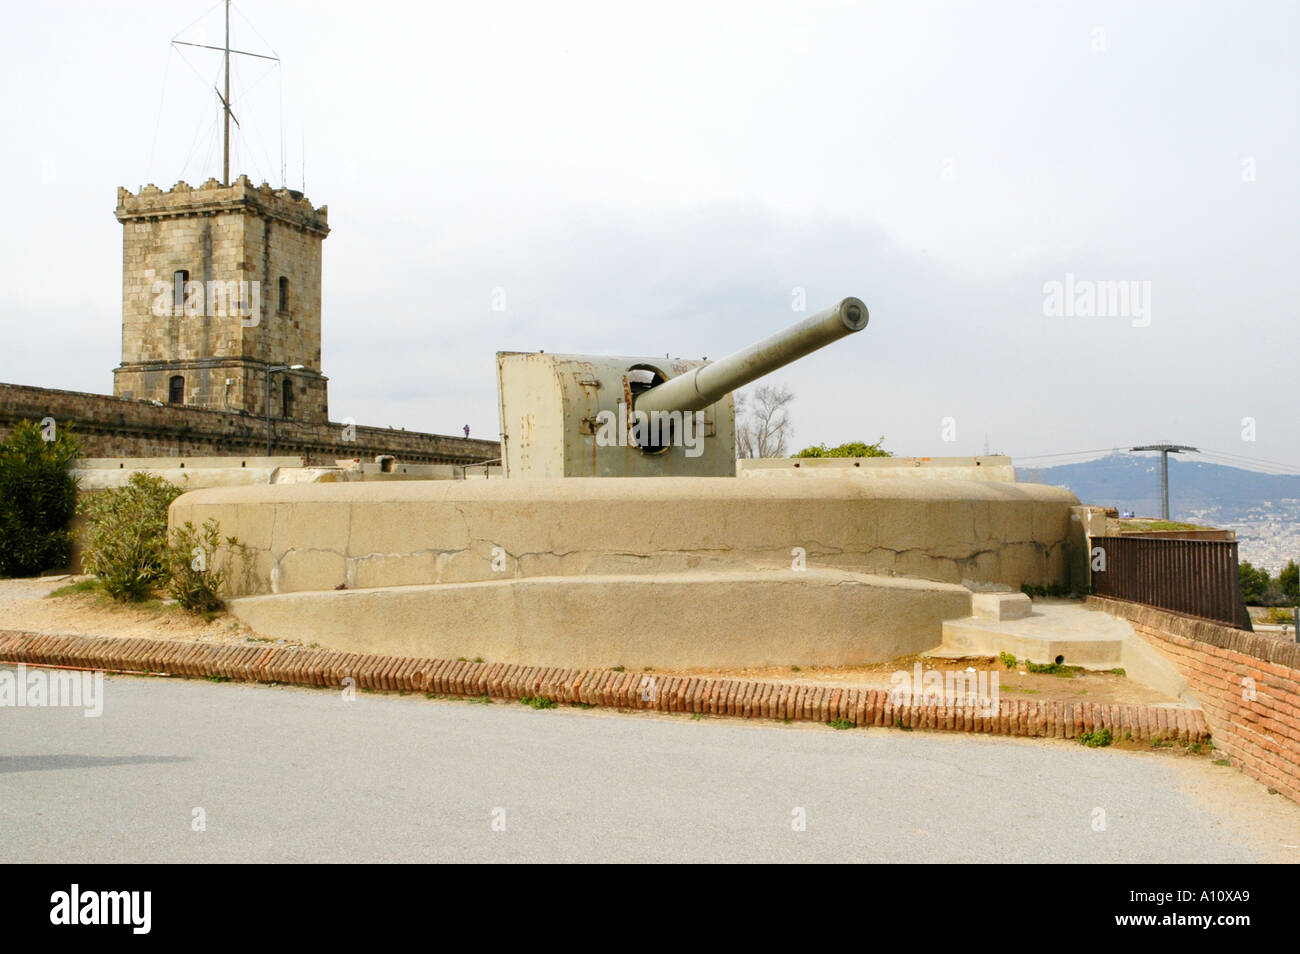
(1193, 577)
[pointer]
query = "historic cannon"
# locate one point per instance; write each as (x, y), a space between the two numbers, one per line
(596, 416)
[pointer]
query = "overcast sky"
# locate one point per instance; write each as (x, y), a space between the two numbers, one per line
(650, 178)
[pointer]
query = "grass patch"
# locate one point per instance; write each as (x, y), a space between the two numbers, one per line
(90, 585)
(697, 716)
(217, 678)
(1137, 526)
(482, 700)
(1019, 689)
(1224, 762)
(1117, 671)
(795, 669)
(583, 705)
(619, 669)
(538, 702)
(1053, 669)
(840, 724)
(1096, 740)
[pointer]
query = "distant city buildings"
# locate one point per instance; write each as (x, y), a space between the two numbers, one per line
(1268, 533)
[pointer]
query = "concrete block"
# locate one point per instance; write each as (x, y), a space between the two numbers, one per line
(1000, 606)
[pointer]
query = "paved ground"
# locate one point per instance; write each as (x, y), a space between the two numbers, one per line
(292, 774)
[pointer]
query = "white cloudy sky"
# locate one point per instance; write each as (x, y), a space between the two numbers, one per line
(644, 178)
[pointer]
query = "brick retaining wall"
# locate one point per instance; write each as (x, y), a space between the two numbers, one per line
(116, 427)
(1247, 683)
(597, 687)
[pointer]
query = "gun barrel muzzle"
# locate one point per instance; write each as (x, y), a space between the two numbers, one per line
(698, 388)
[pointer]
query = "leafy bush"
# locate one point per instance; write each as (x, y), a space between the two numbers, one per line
(1052, 669)
(1008, 660)
(126, 535)
(850, 449)
(1096, 740)
(37, 499)
(197, 561)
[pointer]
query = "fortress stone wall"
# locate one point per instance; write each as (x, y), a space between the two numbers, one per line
(115, 427)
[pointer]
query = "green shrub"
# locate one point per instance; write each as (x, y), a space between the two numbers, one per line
(37, 499)
(197, 562)
(850, 449)
(1097, 739)
(1053, 669)
(126, 536)
(1008, 660)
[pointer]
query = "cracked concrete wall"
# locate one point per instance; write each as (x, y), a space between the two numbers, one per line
(328, 536)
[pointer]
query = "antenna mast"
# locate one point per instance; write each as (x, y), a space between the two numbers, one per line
(225, 101)
(227, 113)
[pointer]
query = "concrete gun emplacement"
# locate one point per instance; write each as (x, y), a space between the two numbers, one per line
(599, 416)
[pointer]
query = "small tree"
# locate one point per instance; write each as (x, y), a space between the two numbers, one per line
(1254, 583)
(763, 426)
(1289, 578)
(197, 561)
(850, 449)
(37, 498)
(126, 535)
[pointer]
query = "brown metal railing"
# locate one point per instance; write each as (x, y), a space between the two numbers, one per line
(1193, 577)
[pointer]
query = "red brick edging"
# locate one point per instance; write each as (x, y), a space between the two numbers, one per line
(1248, 685)
(599, 687)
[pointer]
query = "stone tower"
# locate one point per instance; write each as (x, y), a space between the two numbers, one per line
(220, 283)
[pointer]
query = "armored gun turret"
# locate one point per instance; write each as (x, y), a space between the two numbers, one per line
(597, 416)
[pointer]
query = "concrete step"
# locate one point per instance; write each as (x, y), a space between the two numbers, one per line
(1063, 631)
(721, 619)
(1069, 632)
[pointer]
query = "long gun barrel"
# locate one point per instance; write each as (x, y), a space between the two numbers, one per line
(697, 389)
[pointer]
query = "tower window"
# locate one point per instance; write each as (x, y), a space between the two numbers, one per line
(286, 396)
(284, 293)
(176, 390)
(179, 280)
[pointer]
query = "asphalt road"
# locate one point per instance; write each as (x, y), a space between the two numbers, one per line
(293, 774)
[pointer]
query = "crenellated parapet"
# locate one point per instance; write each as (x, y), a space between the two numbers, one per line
(212, 198)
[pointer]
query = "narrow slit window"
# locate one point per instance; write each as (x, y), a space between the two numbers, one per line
(176, 390)
(179, 280)
(284, 293)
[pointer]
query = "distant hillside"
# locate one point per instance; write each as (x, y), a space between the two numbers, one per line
(1132, 482)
